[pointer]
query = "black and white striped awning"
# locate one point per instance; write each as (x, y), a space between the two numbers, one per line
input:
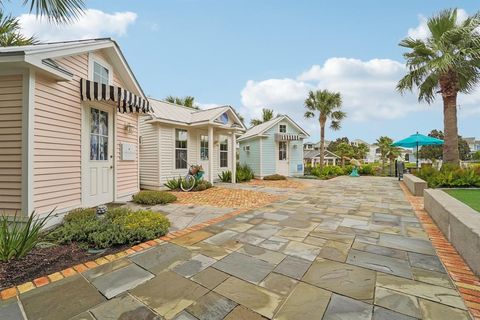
(124, 99)
(287, 137)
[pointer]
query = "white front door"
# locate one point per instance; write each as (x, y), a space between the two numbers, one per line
(283, 165)
(203, 154)
(97, 176)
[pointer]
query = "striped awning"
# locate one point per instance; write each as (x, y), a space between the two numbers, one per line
(287, 137)
(123, 99)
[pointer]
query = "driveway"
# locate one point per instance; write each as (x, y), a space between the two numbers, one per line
(347, 248)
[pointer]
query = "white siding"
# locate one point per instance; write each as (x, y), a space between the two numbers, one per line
(149, 155)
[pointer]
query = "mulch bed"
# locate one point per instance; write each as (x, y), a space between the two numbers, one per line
(44, 261)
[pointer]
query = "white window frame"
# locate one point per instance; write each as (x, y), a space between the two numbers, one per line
(282, 153)
(222, 151)
(280, 126)
(175, 149)
(204, 147)
(92, 59)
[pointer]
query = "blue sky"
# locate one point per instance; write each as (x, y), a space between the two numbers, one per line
(251, 54)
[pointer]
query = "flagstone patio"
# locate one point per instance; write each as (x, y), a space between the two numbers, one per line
(347, 248)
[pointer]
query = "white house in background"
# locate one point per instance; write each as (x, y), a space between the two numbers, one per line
(473, 144)
(312, 158)
(275, 146)
(173, 137)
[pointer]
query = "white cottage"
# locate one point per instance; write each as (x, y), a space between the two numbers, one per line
(173, 137)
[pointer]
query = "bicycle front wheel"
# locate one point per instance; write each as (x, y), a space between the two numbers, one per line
(188, 183)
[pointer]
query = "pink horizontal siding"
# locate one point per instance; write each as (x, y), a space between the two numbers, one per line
(10, 143)
(57, 139)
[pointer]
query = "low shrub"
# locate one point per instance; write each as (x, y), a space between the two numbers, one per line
(151, 197)
(173, 184)
(17, 237)
(327, 172)
(202, 185)
(275, 177)
(449, 177)
(244, 173)
(225, 176)
(118, 226)
(366, 169)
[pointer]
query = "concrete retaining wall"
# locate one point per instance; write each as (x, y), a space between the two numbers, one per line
(459, 223)
(415, 184)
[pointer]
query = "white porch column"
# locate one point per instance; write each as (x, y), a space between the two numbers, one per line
(234, 157)
(210, 154)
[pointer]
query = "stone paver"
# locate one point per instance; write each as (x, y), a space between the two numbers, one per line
(341, 249)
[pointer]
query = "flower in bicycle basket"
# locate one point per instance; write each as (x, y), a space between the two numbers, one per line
(196, 169)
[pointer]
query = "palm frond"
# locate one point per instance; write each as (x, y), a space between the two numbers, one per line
(59, 11)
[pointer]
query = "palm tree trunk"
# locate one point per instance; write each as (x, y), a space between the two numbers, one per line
(322, 143)
(450, 147)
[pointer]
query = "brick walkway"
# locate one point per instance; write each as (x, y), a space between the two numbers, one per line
(226, 197)
(466, 281)
(292, 184)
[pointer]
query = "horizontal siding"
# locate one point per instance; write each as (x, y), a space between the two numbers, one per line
(57, 139)
(149, 161)
(251, 158)
(296, 157)
(10, 143)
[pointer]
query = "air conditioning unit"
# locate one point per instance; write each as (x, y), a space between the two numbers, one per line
(246, 148)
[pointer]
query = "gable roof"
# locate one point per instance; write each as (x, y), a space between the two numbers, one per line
(261, 128)
(163, 111)
(315, 153)
(41, 57)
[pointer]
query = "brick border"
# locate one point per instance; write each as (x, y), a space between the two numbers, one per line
(79, 268)
(467, 283)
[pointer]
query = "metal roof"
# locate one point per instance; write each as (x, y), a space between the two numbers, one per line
(261, 128)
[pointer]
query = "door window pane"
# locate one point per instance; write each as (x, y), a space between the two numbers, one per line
(181, 137)
(223, 151)
(203, 147)
(282, 150)
(98, 135)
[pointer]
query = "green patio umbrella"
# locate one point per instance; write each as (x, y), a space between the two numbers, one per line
(416, 140)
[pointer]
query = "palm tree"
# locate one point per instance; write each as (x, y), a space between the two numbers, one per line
(387, 151)
(58, 11)
(267, 115)
(361, 151)
(447, 62)
(327, 104)
(344, 150)
(10, 32)
(187, 101)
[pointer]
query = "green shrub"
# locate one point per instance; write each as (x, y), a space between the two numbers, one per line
(151, 197)
(450, 177)
(275, 177)
(202, 185)
(80, 214)
(366, 169)
(244, 173)
(225, 176)
(173, 184)
(327, 172)
(118, 226)
(18, 238)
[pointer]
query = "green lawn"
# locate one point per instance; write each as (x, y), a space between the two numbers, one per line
(470, 197)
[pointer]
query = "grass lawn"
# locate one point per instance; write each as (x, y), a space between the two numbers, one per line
(471, 197)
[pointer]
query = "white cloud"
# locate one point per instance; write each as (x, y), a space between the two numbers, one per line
(421, 31)
(93, 24)
(367, 88)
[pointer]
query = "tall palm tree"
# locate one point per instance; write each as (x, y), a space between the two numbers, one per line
(58, 11)
(327, 104)
(187, 101)
(10, 34)
(447, 62)
(267, 115)
(387, 151)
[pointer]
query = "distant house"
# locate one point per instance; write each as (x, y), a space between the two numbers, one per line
(312, 158)
(275, 146)
(173, 137)
(68, 126)
(473, 144)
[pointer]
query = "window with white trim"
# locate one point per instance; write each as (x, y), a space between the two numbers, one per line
(223, 151)
(101, 74)
(282, 150)
(181, 137)
(282, 128)
(203, 147)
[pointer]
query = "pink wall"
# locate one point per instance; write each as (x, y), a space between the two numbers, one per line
(10, 143)
(57, 142)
